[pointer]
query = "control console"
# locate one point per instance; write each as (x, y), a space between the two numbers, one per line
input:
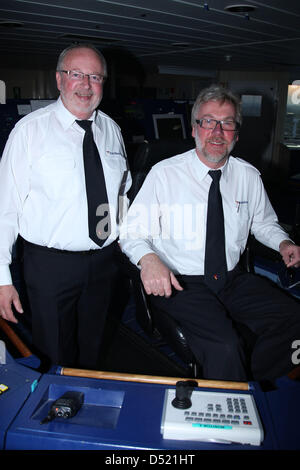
(223, 417)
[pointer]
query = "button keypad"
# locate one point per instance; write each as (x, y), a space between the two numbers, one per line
(234, 412)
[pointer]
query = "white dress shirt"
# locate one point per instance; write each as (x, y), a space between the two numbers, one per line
(42, 182)
(168, 215)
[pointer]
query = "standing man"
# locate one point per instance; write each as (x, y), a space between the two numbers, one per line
(186, 230)
(63, 178)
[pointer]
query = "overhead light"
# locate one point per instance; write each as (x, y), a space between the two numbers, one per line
(11, 24)
(180, 44)
(187, 71)
(79, 38)
(240, 8)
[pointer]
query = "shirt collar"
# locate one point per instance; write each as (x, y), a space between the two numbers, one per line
(66, 118)
(203, 169)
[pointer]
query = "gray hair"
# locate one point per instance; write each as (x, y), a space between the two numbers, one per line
(216, 93)
(63, 54)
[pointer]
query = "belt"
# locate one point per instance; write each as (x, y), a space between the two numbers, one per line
(57, 250)
(200, 277)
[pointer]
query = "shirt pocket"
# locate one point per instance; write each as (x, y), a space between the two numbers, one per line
(242, 218)
(57, 177)
(115, 161)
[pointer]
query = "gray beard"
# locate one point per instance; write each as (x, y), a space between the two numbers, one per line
(213, 158)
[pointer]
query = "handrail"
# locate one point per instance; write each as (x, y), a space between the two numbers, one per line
(104, 375)
(14, 338)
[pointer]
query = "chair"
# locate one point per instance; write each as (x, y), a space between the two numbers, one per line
(151, 152)
(163, 328)
(161, 325)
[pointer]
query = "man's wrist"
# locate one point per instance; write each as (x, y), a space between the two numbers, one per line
(148, 258)
(5, 275)
(285, 243)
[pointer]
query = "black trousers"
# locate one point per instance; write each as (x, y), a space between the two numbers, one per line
(210, 325)
(69, 295)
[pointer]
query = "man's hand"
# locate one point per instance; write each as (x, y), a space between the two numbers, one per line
(156, 277)
(8, 297)
(290, 254)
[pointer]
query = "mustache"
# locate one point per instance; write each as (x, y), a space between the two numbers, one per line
(216, 141)
(84, 93)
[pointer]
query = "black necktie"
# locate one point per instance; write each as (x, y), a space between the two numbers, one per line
(99, 222)
(215, 258)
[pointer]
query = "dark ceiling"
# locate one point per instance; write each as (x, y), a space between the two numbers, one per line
(192, 34)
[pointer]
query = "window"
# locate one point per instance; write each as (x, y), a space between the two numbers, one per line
(292, 118)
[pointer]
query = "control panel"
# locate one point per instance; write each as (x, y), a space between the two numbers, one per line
(222, 417)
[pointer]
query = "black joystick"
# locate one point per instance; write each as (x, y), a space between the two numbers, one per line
(182, 399)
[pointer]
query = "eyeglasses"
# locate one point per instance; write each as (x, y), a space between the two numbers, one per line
(79, 76)
(227, 125)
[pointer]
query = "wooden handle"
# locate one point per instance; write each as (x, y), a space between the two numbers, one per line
(94, 374)
(14, 338)
(294, 374)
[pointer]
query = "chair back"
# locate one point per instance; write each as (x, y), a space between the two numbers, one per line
(151, 152)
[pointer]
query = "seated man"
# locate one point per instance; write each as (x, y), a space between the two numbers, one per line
(186, 230)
